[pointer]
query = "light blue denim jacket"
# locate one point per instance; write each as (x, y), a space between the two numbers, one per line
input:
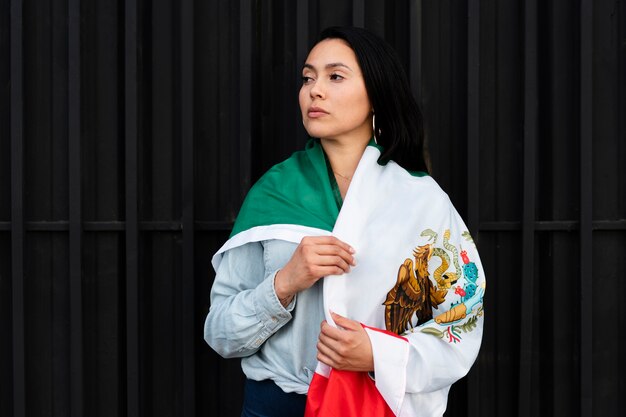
(246, 319)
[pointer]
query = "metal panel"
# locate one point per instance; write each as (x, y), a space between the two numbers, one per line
(473, 114)
(586, 207)
(188, 323)
(131, 136)
(17, 209)
(358, 13)
(75, 211)
(130, 133)
(531, 114)
(473, 162)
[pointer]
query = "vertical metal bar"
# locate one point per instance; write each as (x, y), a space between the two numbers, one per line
(528, 211)
(622, 108)
(473, 114)
(302, 28)
(302, 36)
(358, 13)
(188, 325)
(245, 93)
(473, 163)
(586, 206)
(75, 214)
(132, 226)
(415, 48)
(17, 207)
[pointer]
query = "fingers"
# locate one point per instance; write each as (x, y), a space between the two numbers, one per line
(331, 333)
(328, 345)
(330, 261)
(324, 271)
(328, 240)
(315, 257)
(347, 347)
(328, 356)
(334, 252)
(328, 332)
(328, 251)
(344, 322)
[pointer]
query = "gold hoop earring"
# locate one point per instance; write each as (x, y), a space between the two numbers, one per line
(374, 127)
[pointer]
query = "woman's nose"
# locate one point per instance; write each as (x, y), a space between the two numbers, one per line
(316, 90)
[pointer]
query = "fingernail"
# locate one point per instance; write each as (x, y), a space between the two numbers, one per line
(352, 250)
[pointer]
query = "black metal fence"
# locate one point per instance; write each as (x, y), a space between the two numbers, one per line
(130, 132)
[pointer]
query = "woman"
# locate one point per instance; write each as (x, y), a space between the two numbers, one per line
(349, 275)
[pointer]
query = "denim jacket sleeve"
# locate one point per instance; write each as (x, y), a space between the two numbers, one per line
(245, 310)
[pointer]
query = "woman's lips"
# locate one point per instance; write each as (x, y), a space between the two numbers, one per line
(316, 112)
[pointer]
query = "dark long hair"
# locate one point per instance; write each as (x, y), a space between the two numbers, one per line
(399, 125)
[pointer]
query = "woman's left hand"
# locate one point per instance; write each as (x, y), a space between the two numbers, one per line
(346, 347)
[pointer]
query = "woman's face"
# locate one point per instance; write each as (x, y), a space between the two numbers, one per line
(333, 99)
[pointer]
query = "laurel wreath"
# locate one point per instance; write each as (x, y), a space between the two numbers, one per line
(453, 333)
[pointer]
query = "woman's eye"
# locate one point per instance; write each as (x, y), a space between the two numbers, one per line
(336, 77)
(306, 80)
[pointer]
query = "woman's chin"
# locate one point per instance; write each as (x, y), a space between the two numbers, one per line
(316, 133)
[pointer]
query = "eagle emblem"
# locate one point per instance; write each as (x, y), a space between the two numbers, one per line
(413, 294)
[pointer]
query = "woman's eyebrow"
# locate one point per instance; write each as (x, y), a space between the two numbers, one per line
(328, 66)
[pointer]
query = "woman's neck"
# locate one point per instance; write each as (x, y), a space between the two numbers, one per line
(344, 158)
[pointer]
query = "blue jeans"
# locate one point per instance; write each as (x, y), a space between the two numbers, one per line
(266, 399)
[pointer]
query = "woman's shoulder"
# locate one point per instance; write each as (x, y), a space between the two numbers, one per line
(424, 183)
(289, 169)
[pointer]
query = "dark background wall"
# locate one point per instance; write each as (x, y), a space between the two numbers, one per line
(130, 132)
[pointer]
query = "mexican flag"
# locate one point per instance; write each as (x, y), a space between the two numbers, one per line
(417, 288)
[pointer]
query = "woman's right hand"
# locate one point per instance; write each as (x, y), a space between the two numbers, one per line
(314, 258)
